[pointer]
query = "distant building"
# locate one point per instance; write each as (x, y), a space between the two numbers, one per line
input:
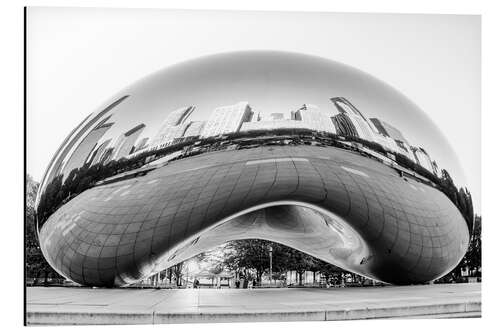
(178, 116)
(389, 130)
(344, 126)
(268, 116)
(363, 126)
(107, 155)
(227, 119)
(82, 152)
(141, 144)
(378, 125)
(173, 135)
(277, 116)
(172, 127)
(313, 118)
(125, 142)
(387, 142)
(194, 128)
(99, 152)
(405, 149)
(256, 117)
(272, 124)
(391, 133)
(423, 159)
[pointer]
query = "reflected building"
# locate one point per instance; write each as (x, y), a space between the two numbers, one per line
(389, 131)
(388, 143)
(273, 124)
(107, 155)
(256, 117)
(173, 127)
(125, 142)
(307, 117)
(276, 116)
(313, 118)
(170, 136)
(99, 152)
(227, 119)
(81, 154)
(141, 144)
(344, 126)
(397, 141)
(363, 126)
(194, 129)
(176, 117)
(423, 159)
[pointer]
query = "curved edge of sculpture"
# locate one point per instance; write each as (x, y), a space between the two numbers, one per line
(401, 230)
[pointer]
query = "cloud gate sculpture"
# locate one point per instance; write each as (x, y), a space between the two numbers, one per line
(280, 146)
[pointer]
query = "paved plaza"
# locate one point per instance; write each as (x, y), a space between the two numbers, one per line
(54, 305)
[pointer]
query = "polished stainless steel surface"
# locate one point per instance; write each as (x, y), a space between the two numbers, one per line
(287, 147)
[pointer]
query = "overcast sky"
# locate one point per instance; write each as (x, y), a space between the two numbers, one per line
(78, 58)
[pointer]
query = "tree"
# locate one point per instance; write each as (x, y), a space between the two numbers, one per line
(177, 272)
(251, 256)
(473, 255)
(248, 254)
(331, 272)
(299, 262)
(36, 265)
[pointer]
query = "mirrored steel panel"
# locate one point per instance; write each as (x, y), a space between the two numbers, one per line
(287, 147)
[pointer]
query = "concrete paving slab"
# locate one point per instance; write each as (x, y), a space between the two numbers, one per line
(86, 306)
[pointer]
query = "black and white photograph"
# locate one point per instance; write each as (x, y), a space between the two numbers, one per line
(219, 166)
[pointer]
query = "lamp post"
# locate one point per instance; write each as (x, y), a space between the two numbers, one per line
(270, 264)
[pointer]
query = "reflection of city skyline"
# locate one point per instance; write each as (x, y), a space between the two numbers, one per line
(241, 117)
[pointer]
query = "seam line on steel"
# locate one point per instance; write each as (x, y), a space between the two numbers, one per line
(276, 160)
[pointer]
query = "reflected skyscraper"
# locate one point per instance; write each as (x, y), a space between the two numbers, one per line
(423, 159)
(176, 117)
(313, 118)
(99, 152)
(389, 130)
(227, 119)
(172, 127)
(82, 152)
(141, 144)
(276, 116)
(194, 129)
(125, 142)
(344, 126)
(362, 125)
(400, 145)
(271, 124)
(107, 154)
